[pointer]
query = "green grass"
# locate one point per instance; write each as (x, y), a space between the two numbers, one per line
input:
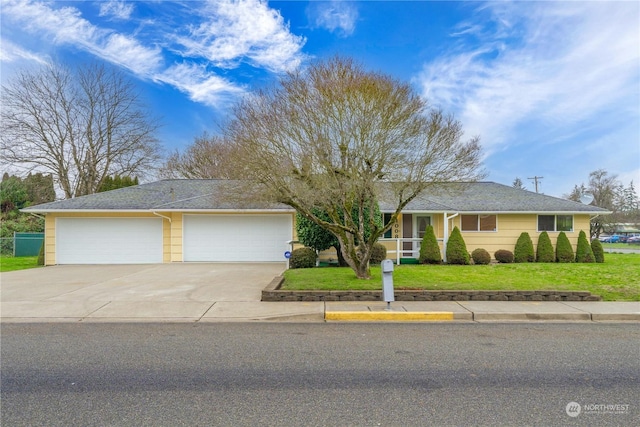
(618, 279)
(614, 246)
(18, 263)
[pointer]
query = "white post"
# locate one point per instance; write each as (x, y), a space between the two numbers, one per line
(444, 240)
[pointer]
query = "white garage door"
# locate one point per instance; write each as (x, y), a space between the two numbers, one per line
(236, 237)
(108, 240)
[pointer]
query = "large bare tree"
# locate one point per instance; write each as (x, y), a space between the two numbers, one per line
(79, 125)
(324, 139)
(207, 157)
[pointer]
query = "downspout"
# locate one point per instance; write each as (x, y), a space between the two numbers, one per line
(446, 234)
(162, 216)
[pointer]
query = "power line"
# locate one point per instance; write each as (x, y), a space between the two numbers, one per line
(536, 179)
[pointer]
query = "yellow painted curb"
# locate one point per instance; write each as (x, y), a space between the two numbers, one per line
(398, 316)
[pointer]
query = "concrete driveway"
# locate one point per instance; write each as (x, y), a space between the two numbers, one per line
(176, 292)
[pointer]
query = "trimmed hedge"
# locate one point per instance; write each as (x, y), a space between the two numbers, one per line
(524, 249)
(584, 253)
(378, 254)
(564, 251)
(303, 258)
(481, 257)
(503, 256)
(429, 249)
(598, 251)
(457, 249)
(545, 249)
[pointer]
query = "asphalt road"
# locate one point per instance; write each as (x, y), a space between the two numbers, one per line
(319, 374)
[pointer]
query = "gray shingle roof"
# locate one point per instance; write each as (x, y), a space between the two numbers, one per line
(210, 194)
(490, 197)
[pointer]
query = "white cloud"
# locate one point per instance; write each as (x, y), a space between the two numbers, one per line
(117, 9)
(201, 85)
(549, 66)
(10, 52)
(235, 30)
(67, 26)
(336, 16)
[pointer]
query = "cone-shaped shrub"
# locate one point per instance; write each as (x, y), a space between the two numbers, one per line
(598, 252)
(429, 249)
(584, 253)
(545, 249)
(564, 251)
(481, 257)
(503, 256)
(524, 249)
(457, 249)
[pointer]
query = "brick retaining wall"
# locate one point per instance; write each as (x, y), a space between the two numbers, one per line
(273, 293)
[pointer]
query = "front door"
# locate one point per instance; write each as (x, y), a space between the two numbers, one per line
(420, 223)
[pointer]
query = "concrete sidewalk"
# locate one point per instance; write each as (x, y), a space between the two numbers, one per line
(248, 311)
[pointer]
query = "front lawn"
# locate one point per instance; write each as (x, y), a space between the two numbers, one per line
(18, 263)
(618, 279)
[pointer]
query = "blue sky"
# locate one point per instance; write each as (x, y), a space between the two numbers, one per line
(551, 88)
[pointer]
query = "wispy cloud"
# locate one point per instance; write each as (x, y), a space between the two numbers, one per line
(66, 26)
(10, 52)
(335, 16)
(234, 30)
(117, 9)
(226, 34)
(201, 85)
(541, 67)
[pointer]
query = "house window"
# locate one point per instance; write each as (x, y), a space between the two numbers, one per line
(555, 222)
(385, 220)
(478, 222)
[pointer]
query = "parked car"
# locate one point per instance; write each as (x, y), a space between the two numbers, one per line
(611, 239)
(634, 240)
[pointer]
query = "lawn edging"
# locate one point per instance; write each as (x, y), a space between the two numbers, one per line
(273, 293)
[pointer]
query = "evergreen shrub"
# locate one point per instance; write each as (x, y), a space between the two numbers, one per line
(545, 249)
(564, 251)
(504, 256)
(457, 249)
(598, 251)
(524, 249)
(584, 253)
(429, 249)
(378, 254)
(481, 256)
(303, 258)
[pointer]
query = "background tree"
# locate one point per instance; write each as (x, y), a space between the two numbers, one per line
(517, 183)
(325, 138)
(40, 188)
(79, 126)
(114, 182)
(206, 158)
(15, 194)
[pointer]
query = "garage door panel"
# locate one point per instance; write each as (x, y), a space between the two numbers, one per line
(108, 240)
(233, 238)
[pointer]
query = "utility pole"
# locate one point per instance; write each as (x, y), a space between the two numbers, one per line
(535, 179)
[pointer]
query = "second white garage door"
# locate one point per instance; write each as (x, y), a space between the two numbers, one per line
(230, 238)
